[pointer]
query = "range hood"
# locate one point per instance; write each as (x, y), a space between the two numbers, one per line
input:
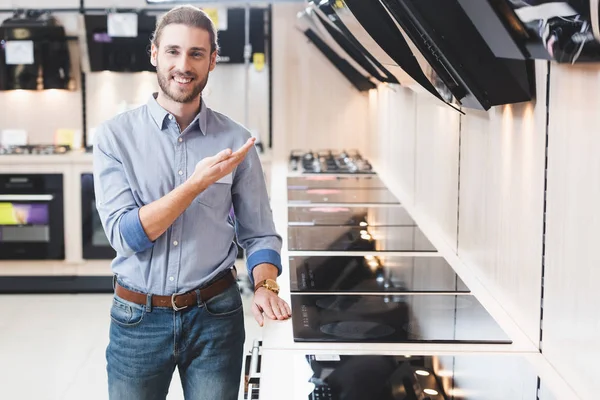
(564, 31)
(312, 27)
(34, 53)
(118, 54)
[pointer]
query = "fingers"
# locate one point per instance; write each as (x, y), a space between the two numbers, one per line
(268, 310)
(276, 309)
(221, 156)
(257, 314)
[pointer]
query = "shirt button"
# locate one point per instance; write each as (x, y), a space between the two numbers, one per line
(180, 172)
(171, 279)
(180, 140)
(170, 117)
(175, 243)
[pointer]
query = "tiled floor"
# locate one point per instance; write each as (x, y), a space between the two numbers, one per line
(52, 347)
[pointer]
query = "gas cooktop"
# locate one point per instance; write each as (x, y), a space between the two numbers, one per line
(342, 196)
(357, 238)
(329, 162)
(370, 274)
(39, 149)
(393, 318)
(354, 216)
(375, 377)
(335, 182)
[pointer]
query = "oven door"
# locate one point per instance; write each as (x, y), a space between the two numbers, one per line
(94, 241)
(31, 217)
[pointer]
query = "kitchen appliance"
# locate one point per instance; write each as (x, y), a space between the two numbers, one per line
(375, 377)
(393, 318)
(31, 217)
(329, 162)
(373, 274)
(95, 244)
(358, 239)
(342, 196)
(44, 60)
(335, 182)
(37, 149)
(351, 216)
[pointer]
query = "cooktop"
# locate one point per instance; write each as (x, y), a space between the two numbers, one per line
(375, 377)
(358, 238)
(335, 182)
(393, 318)
(34, 149)
(312, 196)
(329, 162)
(373, 274)
(353, 216)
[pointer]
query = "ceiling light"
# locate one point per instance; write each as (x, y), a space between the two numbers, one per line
(363, 224)
(373, 264)
(363, 232)
(431, 392)
(421, 372)
(369, 257)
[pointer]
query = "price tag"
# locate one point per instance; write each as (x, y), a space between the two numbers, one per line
(218, 17)
(258, 59)
(14, 137)
(122, 25)
(64, 137)
(19, 52)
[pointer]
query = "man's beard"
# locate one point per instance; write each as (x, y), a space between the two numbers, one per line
(165, 79)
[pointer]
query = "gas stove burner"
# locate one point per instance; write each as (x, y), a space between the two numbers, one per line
(34, 150)
(329, 162)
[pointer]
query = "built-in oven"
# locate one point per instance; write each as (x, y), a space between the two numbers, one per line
(31, 217)
(94, 241)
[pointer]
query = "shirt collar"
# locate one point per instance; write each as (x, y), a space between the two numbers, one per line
(159, 114)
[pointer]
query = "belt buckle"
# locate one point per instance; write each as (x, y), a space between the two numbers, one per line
(175, 305)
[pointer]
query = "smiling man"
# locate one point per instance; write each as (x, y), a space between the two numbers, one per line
(165, 180)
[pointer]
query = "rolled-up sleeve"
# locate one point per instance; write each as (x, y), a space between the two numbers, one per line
(254, 219)
(115, 203)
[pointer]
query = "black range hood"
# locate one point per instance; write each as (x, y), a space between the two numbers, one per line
(311, 25)
(564, 31)
(51, 66)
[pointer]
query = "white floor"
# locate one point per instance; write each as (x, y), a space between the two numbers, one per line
(52, 347)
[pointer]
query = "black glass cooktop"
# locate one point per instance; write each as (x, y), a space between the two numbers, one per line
(373, 274)
(341, 196)
(375, 377)
(357, 216)
(392, 318)
(335, 182)
(357, 238)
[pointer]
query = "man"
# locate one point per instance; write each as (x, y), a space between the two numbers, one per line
(164, 200)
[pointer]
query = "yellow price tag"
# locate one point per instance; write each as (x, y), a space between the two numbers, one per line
(259, 61)
(7, 214)
(64, 137)
(339, 4)
(213, 14)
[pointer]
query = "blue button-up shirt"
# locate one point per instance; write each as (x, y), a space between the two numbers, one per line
(140, 156)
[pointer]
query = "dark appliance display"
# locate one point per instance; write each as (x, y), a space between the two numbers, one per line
(357, 238)
(233, 39)
(393, 318)
(563, 31)
(335, 182)
(329, 162)
(36, 149)
(350, 216)
(119, 54)
(314, 31)
(31, 217)
(442, 36)
(342, 196)
(373, 274)
(51, 66)
(94, 241)
(375, 377)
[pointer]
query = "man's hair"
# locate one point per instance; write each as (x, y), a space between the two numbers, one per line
(190, 16)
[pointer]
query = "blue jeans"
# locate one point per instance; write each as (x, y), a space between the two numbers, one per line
(204, 342)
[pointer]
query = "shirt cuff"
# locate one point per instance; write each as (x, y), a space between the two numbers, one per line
(264, 256)
(133, 232)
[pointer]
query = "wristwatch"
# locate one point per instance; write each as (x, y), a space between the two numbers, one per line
(268, 284)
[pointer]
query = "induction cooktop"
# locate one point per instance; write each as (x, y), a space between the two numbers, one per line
(349, 215)
(393, 318)
(375, 377)
(358, 238)
(335, 182)
(342, 196)
(373, 274)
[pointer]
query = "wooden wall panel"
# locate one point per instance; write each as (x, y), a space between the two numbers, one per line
(571, 320)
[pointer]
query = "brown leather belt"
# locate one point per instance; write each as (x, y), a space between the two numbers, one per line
(179, 301)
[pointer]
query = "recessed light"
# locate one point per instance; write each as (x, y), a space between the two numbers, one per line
(431, 392)
(421, 372)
